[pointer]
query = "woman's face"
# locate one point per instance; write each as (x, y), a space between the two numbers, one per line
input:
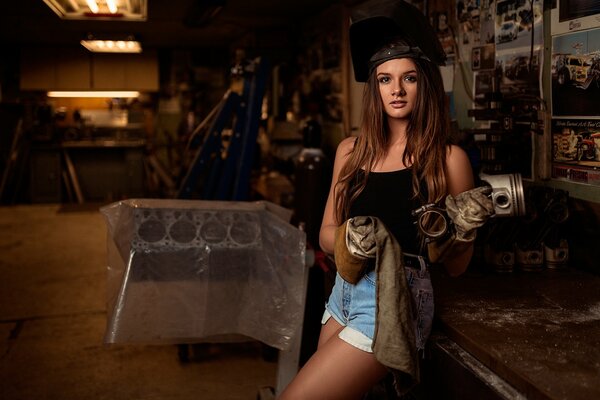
(397, 82)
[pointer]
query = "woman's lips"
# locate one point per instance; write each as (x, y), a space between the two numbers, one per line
(398, 104)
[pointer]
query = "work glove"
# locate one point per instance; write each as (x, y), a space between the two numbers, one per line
(353, 246)
(468, 211)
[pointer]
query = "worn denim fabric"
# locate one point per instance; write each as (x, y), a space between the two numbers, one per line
(419, 282)
(354, 306)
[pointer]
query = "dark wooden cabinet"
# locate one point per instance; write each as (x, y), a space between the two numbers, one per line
(74, 69)
(45, 175)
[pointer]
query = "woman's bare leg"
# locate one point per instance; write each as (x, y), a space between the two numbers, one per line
(337, 370)
(330, 329)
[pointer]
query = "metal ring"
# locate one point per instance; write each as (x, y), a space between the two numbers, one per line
(431, 229)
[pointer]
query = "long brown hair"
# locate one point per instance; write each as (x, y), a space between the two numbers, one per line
(426, 142)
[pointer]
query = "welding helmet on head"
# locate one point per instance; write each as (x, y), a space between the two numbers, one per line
(375, 24)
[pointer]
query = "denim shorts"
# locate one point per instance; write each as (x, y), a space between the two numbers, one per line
(354, 306)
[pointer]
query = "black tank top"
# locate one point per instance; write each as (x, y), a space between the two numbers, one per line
(388, 196)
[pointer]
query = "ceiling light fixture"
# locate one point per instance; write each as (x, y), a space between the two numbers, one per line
(112, 6)
(122, 10)
(93, 6)
(73, 3)
(96, 94)
(112, 46)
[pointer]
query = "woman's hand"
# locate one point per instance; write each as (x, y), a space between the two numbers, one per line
(470, 210)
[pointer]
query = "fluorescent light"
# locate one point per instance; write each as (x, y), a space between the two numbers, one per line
(112, 6)
(74, 4)
(93, 6)
(101, 94)
(112, 46)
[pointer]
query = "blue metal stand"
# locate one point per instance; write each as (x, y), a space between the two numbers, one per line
(221, 168)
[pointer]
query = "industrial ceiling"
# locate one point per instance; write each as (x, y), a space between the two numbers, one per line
(169, 23)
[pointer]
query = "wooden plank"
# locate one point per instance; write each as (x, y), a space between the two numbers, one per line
(74, 179)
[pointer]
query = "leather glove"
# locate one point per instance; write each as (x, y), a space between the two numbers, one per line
(468, 211)
(353, 246)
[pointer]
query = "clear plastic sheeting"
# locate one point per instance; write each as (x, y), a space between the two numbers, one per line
(186, 271)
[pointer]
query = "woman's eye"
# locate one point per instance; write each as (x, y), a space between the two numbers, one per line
(410, 78)
(384, 79)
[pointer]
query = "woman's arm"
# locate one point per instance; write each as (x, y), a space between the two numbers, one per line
(329, 223)
(459, 178)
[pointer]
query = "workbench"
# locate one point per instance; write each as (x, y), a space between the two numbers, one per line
(538, 332)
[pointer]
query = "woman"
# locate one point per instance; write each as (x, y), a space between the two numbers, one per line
(402, 159)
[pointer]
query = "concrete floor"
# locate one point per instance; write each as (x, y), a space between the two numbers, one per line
(53, 317)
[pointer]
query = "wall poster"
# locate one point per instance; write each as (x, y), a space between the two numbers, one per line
(519, 71)
(573, 173)
(575, 71)
(519, 37)
(574, 15)
(576, 150)
(518, 23)
(440, 22)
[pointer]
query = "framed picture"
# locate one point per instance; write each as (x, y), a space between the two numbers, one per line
(518, 23)
(574, 70)
(484, 84)
(476, 58)
(488, 56)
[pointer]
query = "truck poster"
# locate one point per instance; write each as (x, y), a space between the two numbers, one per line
(576, 150)
(575, 70)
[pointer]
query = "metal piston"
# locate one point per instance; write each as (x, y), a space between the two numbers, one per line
(502, 260)
(507, 194)
(530, 260)
(557, 257)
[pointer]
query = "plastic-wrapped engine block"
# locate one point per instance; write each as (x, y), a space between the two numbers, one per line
(185, 271)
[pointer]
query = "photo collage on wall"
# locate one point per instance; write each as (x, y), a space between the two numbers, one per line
(575, 69)
(504, 41)
(519, 39)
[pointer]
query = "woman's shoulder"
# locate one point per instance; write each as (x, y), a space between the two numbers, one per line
(347, 144)
(456, 156)
(459, 170)
(345, 147)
